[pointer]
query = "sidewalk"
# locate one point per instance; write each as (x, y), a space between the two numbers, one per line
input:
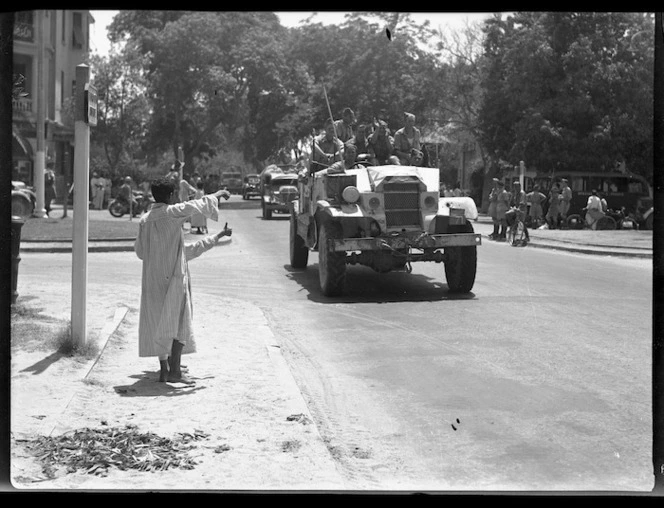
(248, 423)
(626, 243)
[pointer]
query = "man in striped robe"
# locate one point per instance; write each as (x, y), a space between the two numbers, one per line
(165, 325)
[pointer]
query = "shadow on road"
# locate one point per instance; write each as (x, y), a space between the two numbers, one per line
(363, 285)
(42, 365)
(147, 385)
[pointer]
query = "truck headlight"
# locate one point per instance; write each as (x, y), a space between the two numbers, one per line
(374, 203)
(430, 202)
(350, 194)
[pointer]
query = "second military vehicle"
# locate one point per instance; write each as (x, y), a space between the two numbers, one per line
(278, 185)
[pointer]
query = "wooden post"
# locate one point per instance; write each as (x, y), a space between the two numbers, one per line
(79, 293)
(40, 154)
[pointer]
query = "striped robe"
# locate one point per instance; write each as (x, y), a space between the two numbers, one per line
(166, 309)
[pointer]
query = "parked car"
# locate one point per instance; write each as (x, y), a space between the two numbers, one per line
(24, 200)
(251, 186)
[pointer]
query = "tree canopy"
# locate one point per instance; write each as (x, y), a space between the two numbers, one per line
(555, 89)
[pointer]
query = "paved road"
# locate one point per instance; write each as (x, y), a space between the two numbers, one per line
(538, 380)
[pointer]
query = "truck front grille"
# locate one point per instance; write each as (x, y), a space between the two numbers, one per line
(402, 204)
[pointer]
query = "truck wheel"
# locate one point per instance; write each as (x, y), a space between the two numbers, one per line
(461, 263)
(299, 253)
(331, 265)
(649, 222)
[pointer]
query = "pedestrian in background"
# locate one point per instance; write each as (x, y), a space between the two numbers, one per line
(165, 327)
(108, 185)
(565, 200)
(594, 210)
(536, 201)
(49, 189)
(97, 191)
(493, 200)
(554, 207)
(198, 220)
(126, 194)
(518, 197)
(502, 205)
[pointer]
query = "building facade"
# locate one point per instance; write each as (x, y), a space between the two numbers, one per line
(62, 37)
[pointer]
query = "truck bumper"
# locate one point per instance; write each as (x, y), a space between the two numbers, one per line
(424, 241)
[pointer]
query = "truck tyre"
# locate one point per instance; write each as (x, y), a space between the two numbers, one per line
(461, 263)
(649, 222)
(299, 253)
(331, 265)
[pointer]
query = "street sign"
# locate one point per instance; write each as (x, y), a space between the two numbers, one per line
(90, 105)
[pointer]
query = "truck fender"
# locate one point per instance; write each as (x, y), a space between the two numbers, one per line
(468, 205)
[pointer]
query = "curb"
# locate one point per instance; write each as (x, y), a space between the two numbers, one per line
(563, 246)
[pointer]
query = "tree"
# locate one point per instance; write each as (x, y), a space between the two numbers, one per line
(565, 91)
(122, 110)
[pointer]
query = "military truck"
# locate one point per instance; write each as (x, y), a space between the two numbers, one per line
(385, 218)
(278, 187)
(232, 181)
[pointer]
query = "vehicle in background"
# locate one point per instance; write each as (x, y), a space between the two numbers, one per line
(622, 190)
(251, 187)
(278, 187)
(232, 181)
(24, 200)
(119, 206)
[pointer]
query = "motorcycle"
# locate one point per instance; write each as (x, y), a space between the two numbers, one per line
(119, 206)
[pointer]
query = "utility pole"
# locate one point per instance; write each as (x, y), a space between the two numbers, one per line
(79, 293)
(40, 156)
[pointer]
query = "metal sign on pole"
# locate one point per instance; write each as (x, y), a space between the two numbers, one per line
(79, 293)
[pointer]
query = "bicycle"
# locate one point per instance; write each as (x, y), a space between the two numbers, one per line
(578, 221)
(517, 231)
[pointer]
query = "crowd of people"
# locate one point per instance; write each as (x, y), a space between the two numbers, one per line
(528, 205)
(371, 142)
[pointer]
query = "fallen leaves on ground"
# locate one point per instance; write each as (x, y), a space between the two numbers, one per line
(95, 451)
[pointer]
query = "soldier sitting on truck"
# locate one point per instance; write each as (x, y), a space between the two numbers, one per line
(382, 145)
(361, 141)
(327, 148)
(350, 154)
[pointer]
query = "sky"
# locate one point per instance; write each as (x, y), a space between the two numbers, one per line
(100, 43)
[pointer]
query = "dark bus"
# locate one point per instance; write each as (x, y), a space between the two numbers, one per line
(619, 190)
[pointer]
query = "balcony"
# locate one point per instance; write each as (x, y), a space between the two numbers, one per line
(21, 105)
(24, 32)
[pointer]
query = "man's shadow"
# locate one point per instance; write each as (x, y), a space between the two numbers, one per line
(148, 385)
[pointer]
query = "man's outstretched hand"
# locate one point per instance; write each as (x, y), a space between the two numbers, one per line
(224, 232)
(222, 194)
